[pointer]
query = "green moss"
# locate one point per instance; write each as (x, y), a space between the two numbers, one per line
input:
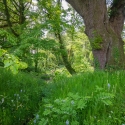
(96, 42)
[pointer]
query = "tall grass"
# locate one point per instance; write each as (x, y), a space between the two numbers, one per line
(20, 96)
(97, 97)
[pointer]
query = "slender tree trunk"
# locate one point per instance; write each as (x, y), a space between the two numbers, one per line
(104, 32)
(65, 55)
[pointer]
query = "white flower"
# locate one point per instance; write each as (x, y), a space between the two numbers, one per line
(67, 122)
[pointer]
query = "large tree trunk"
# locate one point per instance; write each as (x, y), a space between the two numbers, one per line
(104, 32)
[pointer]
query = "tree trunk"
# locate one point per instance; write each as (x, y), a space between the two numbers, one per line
(65, 55)
(104, 32)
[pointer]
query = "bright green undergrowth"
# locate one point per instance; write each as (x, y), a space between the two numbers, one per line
(92, 98)
(20, 96)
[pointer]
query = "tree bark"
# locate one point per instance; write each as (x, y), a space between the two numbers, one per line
(104, 32)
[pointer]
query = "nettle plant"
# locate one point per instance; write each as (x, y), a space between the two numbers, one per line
(75, 109)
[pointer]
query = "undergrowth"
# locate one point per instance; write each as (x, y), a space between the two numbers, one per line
(20, 96)
(92, 98)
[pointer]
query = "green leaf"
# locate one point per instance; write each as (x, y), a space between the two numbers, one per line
(22, 65)
(14, 69)
(74, 123)
(107, 102)
(81, 104)
(8, 63)
(43, 122)
(2, 51)
(47, 112)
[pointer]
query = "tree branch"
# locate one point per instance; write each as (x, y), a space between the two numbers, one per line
(15, 5)
(3, 19)
(8, 18)
(14, 12)
(6, 25)
(117, 16)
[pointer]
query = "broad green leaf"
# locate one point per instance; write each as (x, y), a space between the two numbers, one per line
(8, 63)
(2, 51)
(22, 65)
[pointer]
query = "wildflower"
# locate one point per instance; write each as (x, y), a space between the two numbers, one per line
(37, 116)
(108, 85)
(34, 121)
(21, 90)
(67, 122)
(72, 102)
(11, 100)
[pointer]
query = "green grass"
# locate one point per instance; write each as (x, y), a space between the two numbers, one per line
(20, 96)
(91, 98)
(101, 96)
